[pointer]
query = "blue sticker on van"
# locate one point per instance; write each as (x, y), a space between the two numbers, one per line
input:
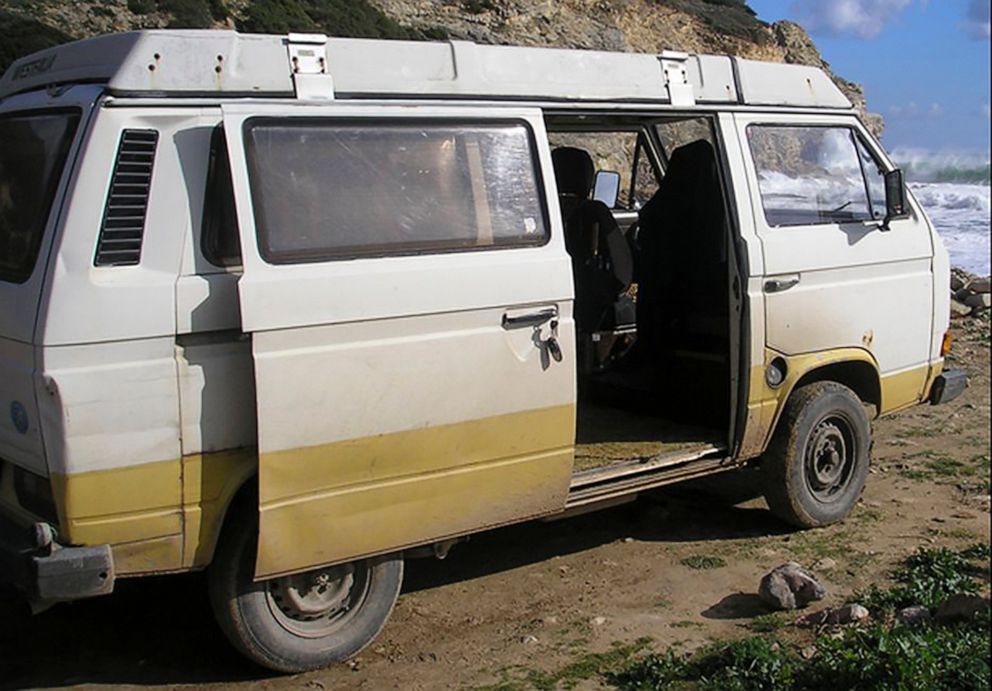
(19, 416)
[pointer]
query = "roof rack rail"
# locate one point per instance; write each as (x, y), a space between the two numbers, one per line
(206, 63)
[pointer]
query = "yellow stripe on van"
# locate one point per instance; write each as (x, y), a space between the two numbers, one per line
(354, 498)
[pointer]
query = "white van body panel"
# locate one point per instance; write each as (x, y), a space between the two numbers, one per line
(857, 285)
(106, 336)
(20, 369)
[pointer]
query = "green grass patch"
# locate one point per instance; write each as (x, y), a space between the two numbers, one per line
(927, 578)
(703, 562)
(588, 666)
(768, 623)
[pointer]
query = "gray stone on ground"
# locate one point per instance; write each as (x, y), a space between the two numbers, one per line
(790, 586)
(960, 607)
(835, 616)
(913, 616)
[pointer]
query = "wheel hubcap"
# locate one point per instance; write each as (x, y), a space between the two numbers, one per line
(317, 603)
(829, 458)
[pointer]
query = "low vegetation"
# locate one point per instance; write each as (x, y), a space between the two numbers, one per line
(730, 17)
(880, 655)
(704, 561)
(20, 35)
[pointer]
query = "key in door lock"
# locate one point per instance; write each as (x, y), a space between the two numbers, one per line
(552, 343)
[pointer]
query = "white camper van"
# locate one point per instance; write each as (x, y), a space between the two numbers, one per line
(293, 309)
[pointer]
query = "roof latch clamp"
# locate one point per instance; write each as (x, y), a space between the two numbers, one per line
(308, 63)
(680, 91)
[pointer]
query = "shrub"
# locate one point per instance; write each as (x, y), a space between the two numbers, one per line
(187, 14)
(20, 36)
(356, 18)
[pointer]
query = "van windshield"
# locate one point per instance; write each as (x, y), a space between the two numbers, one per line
(33, 151)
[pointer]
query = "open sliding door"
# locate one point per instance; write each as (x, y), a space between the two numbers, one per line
(409, 300)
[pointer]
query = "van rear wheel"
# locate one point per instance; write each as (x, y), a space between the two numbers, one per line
(304, 621)
(817, 462)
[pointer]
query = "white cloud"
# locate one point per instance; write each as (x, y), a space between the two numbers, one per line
(977, 24)
(914, 111)
(862, 19)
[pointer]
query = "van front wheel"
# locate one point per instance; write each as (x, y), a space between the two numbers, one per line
(817, 462)
(304, 621)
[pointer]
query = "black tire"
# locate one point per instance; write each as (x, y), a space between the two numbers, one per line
(817, 462)
(279, 623)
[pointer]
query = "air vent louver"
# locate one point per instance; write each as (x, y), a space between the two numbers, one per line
(124, 216)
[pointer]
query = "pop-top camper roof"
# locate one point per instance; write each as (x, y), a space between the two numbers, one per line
(227, 64)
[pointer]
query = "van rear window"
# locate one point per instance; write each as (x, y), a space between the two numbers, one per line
(33, 151)
(327, 189)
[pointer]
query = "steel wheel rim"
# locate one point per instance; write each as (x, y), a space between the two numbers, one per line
(318, 603)
(829, 458)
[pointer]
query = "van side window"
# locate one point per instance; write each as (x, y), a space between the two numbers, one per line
(809, 175)
(219, 239)
(875, 178)
(33, 151)
(331, 189)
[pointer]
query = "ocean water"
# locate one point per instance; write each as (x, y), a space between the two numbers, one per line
(954, 189)
(961, 215)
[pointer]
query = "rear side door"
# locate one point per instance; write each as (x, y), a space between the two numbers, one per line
(833, 277)
(409, 301)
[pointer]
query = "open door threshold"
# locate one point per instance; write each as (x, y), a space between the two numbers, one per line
(601, 484)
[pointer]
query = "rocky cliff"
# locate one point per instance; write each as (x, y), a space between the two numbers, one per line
(711, 26)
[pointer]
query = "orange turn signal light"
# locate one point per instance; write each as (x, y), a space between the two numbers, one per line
(945, 347)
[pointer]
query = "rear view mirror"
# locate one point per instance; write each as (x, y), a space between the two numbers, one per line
(895, 197)
(606, 189)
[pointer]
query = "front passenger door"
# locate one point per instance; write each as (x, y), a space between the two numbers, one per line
(833, 277)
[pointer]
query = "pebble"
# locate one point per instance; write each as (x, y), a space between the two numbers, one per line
(598, 621)
(529, 640)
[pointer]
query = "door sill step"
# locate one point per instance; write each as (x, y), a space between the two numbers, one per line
(601, 484)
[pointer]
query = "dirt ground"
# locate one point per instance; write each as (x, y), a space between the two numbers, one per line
(539, 597)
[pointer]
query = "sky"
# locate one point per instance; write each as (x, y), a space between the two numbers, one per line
(924, 63)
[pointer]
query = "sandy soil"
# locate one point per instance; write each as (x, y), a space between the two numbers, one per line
(541, 596)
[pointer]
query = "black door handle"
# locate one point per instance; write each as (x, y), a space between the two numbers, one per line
(529, 319)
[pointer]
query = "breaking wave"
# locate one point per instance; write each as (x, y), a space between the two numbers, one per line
(960, 213)
(921, 165)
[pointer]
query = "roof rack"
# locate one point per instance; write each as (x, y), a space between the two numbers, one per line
(188, 63)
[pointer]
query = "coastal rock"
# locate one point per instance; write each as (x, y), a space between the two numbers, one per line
(981, 301)
(979, 285)
(959, 309)
(960, 607)
(790, 586)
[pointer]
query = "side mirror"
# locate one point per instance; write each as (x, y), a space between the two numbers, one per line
(895, 197)
(606, 188)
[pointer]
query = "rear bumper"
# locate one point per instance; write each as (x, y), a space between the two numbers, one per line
(948, 386)
(52, 573)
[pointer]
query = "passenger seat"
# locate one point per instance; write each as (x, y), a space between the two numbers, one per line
(603, 267)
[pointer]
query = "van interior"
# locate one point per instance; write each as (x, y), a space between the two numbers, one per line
(647, 228)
